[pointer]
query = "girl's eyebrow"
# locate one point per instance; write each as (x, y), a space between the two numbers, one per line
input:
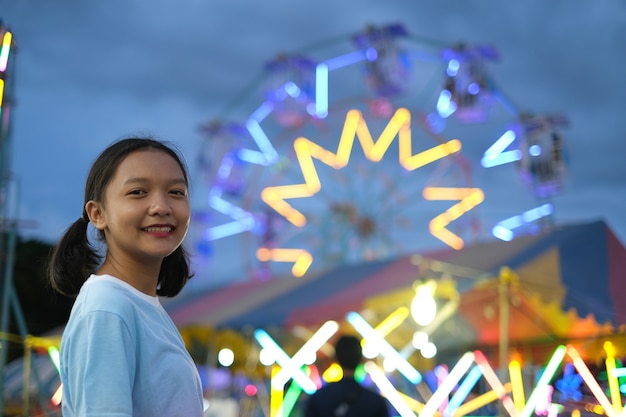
(144, 180)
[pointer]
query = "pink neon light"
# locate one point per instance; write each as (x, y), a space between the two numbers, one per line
(591, 382)
(494, 382)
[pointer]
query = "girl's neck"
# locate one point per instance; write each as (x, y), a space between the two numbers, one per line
(140, 275)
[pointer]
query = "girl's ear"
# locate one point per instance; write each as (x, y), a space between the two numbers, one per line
(96, 214)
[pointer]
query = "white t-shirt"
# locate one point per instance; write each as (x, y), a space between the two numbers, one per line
(121, 355)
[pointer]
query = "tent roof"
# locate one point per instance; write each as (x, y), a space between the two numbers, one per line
(579, 267)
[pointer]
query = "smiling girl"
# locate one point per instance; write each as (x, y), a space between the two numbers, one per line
(121, 355)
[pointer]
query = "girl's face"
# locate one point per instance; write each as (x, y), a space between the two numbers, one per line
(145, 213)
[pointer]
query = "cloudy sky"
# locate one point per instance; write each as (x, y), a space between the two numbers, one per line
(90, 72)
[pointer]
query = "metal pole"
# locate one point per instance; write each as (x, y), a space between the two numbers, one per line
(504, 293)
(6, 99)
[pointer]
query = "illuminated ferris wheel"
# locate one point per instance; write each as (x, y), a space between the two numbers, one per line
(357, 154)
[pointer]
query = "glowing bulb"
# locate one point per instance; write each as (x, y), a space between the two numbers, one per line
(420, 339)
(370, 351)
(266, 357)
(226, 357)
(423, 307)
(429, 350)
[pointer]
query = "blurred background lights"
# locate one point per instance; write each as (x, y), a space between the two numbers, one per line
(226, 357)
(429, 350)
(370, 351)
(423, 307)
(420, 339)
(266, 357)
(250, 390)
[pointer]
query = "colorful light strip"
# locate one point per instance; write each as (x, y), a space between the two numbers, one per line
(309, 349)
(276, 396)
(469, 198)
(495, 384)
(445, 388)
(546, 376)
(355, 127)
(591, 382)
(616, 398)
(389, 324)
(463, 391)
(282, 359)
(503, 230)
(385, 349)
(480, 401)
(301, 258)
(495, 155)
(517, 384)
(4, 50)
(321, 78)
(388, 390)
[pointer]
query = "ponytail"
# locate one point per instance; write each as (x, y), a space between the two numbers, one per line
(175, 273)
(73, 259)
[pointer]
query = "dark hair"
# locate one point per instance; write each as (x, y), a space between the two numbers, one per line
(348, 352)
(74, 258)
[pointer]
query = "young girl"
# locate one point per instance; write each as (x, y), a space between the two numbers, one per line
(121, 355)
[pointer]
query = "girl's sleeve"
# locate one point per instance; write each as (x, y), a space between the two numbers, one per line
(100, 366)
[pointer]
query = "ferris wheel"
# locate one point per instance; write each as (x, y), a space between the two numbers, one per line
(356, 153)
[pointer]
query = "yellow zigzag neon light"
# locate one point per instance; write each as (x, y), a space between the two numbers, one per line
(354, 127)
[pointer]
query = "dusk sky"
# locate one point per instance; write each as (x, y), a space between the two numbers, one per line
(90, 72)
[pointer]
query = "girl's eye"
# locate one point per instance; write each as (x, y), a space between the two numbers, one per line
(179, 192)
(136, 192)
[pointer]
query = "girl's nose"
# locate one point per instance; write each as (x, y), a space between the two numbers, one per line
(160, 207)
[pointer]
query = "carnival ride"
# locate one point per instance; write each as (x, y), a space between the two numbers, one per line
(367, 153)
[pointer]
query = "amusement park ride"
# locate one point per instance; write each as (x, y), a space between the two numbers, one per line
(361, 155)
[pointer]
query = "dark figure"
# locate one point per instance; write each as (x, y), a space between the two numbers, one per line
(346, 398)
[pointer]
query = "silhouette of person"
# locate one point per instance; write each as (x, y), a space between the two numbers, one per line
(346, 398)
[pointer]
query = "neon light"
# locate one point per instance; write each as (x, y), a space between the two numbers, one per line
(463, 391)
(388, 390)
(473, 197)
(228, 229)
(292, 89)
(616, 398)
(54, 354)
(1, 91)
(553, 365)
(321, 78)
(4, 52)
(479, 401)
(301, 258)
(345, 60)
(445, 106)
(355, 126)
(495, 156)
(385, 349)
(262, 112)
(291, 398)
(57, 397)
(260, 138)
(503, 230)
(494, 383)
(390, 323)
(319, 338)
(517, 384)
(447, 385)
(321, 90)
(276, 397)
(282, 359)
(243, 220)
(591, 382)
